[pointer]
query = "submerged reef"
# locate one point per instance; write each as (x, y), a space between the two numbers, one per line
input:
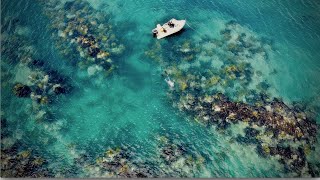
(83, 35)
(19, 160)
(219, 83)
(21, 90)
(178, 159)
(26, 76)
(223, 85)
(172, 158)
(33, 78)
(118, 162)
(229, 65)
(274, 128)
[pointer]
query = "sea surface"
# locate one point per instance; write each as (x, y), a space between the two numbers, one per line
(130, 107)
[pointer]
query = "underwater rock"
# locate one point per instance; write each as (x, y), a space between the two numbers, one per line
(179, 157)
(23, 30)
(93, 69)
(172, 158)
(36, 64)
(118, 50)
(40, 115)
(280, 123)
(44, 100)
(21, 90)
(84, 35)
(235, 92)
(19, 161)
(118, 162)
(58, 89)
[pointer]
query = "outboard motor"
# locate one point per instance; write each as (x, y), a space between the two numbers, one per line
(154, 32)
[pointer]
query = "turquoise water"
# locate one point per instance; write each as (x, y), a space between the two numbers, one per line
(131, 107)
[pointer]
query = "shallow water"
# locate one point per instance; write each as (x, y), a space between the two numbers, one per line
(131, 107)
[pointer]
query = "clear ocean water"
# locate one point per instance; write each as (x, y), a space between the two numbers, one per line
(131, 107)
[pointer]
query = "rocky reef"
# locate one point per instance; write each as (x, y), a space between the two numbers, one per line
(27, 76)
(172, 158)
(33, 78)
(118, 162)
(178, 159)
(222, 83)
(19, 160)
(83, 35)
(21, 90)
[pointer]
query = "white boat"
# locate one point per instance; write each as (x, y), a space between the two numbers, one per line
(168, 28)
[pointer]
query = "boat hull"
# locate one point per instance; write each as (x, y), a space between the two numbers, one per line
(178, 25)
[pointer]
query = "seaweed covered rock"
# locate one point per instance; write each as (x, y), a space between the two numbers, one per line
(225, 85)
(40, 83)
(18, 159)
(21, 90)
(172, 158)
(84, 35)
(118, 162)
(59, 89)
